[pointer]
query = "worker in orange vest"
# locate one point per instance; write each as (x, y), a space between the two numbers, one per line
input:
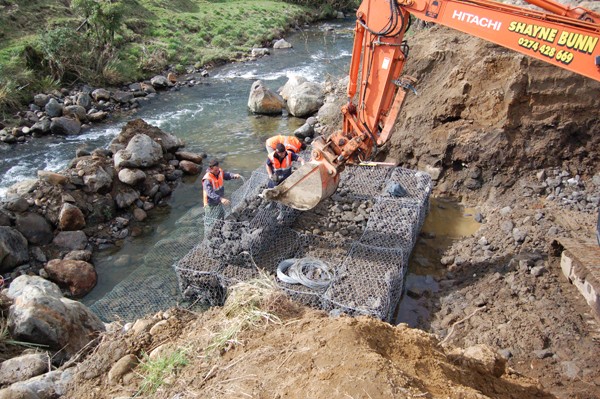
(279, 164)
(212, 184)
(291, 143)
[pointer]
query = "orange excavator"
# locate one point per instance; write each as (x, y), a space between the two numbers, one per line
(564, 36)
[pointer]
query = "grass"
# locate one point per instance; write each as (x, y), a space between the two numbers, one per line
(154, 34)
(156, 372)
(247, 306)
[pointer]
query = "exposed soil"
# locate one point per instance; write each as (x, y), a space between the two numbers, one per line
(513, 137)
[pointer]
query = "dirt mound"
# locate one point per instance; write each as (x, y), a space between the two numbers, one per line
(304, 354)
(485, 115)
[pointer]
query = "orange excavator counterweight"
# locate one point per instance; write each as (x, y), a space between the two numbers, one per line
(564, 36)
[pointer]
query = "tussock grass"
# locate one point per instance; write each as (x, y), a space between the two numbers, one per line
(156, 372)
(251, 304)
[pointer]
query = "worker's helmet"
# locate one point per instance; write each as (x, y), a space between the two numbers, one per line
(280, 148)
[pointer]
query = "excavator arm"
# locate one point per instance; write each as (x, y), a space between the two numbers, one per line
(565, 36)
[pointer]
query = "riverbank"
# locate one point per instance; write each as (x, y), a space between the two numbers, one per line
(118, 43)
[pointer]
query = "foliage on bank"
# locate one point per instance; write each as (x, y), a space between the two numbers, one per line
(45, 44)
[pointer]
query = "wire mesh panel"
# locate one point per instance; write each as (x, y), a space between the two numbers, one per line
(363, 182)
(369, 281)
(362, 236)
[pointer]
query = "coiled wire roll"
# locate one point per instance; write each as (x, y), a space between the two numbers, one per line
(310, 272)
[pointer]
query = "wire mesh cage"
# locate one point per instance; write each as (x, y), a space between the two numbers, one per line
(350, 253)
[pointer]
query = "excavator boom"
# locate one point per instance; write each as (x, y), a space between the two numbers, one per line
(564, 36)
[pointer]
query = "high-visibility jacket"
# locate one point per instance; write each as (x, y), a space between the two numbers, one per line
(282, 168)
(291, 143)
(217, 185)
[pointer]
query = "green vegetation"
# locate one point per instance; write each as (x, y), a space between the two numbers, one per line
(46, 43)
(156, 372)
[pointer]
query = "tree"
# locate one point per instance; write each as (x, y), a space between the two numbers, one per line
(103, 17)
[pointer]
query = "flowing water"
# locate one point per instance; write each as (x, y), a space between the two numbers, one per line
(211, 118)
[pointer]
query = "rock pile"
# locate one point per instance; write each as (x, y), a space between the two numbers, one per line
(51, 225)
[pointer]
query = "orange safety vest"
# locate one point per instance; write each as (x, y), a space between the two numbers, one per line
(217, 183)
(291, 143)
(281, 167)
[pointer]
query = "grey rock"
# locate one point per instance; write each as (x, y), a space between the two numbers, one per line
(53, 108)
(141, 151)
(71, 240)
(13, 248)
(42, 127)
(65, 126)
(40, 314)
(262, 100)
(101, 95)
(35, 228)
(131, 177)
(22, 368)
(41, 100)
(281, 44)
(306, 99)
(76, 112)
(259, 52)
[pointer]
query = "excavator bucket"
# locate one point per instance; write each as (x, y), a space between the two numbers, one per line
(306, 187)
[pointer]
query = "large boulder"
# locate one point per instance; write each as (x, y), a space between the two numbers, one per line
(291, 85)
(264, 101)
(167, 141)
(305, 100)
(190, 168)
(65, 126)
(101, 95)
(70, 218)
(13, 249)
(141, 152)
(160, 82)
(281, 44)
(40, 314)
(97, 177)
(78, 276)
(34, 227)
(53, 108)
(45, 386)
(41, 127)
(52, 177)
(84, 100)
(330, 113)
(76, 112)
(131, 177)
(71, 240)
(23, 367)
(189, 156)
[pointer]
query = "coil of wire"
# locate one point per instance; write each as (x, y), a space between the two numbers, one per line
(310, 272)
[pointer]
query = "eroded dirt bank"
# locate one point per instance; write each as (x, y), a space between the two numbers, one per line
(518, 139)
